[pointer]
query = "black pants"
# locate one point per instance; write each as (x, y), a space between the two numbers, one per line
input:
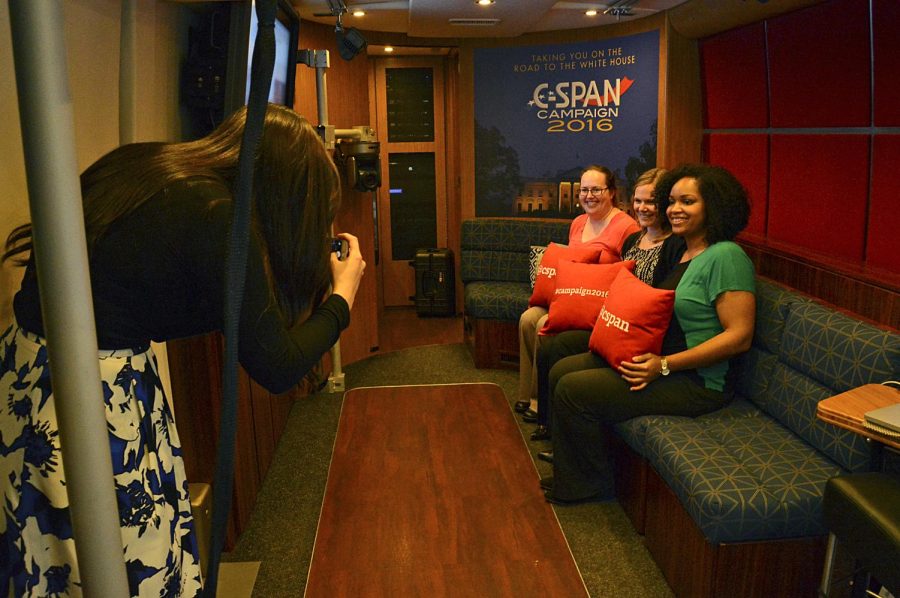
(587, 397)
(551, 350)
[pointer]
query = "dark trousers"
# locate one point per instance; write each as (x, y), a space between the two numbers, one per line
(587, 397)
(551, 350)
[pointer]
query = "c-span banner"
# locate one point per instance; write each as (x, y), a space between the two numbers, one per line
(543, 113)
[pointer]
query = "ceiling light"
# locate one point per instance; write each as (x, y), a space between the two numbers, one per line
(388, 49)
(484, 2)
(591, 13)
(359, 13)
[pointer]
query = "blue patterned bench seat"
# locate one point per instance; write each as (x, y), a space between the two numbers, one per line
(756, 470)
(494, 263)
(494, 271)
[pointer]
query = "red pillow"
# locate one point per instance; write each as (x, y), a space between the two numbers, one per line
(545, 281)
(581, 290)
(632, 321)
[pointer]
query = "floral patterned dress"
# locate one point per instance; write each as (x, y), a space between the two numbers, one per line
(37, 548)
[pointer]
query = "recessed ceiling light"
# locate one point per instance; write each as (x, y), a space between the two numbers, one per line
(484, 2)
(591, 13)
(359, 13)
(388, 49)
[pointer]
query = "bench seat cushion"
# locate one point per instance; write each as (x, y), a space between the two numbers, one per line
(634, 430)
(743, 478)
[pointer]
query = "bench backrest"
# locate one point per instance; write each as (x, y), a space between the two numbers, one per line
(496, 249)
(804, 352)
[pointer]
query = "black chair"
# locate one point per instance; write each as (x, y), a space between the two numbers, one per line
(862, 514)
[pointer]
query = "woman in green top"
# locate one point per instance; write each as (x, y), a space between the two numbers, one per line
(713, 321)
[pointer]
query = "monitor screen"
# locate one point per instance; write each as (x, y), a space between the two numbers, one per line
(242, 39)
(278, 92)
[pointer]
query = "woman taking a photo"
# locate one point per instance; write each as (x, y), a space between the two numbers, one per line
(157, 218)
(713, 321)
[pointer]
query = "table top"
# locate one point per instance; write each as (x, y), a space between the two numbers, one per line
(848, 409)
(419, 497)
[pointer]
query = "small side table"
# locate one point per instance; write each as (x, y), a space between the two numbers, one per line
(847, 410)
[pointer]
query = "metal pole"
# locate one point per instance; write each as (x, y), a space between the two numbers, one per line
(45, 112)
(322, 93)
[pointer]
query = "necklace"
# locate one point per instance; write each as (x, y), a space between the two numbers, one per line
(692, 253)
(662, 237)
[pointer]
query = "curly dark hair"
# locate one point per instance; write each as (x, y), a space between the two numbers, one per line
(724, 198)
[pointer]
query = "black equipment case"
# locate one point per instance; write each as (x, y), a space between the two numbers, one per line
(435, 282)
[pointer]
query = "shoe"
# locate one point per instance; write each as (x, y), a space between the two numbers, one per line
(565, 502)
(546, 456)
(522, 406)
(529, 416)
(541, 433)
(547, 483)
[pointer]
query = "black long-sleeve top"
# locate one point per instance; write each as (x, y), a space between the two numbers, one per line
(670, 254)
(158, 274)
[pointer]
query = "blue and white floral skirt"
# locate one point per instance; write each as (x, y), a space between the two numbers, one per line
(37, 550)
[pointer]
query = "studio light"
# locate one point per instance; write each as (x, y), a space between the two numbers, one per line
(350, 42)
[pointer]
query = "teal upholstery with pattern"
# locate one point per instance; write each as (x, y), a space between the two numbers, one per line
(634, 430)
(793, 399)
(837, 350)
(773, 302)
(749, 371)
(494, 262)
(743, 479)
(494, 266)
(756, 469)
(496, 300)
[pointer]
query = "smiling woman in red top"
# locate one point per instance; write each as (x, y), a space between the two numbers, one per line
(603, 225)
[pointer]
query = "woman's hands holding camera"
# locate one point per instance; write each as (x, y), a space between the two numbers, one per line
(347, 271)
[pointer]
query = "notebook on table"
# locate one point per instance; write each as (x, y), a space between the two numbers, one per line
(885, 420)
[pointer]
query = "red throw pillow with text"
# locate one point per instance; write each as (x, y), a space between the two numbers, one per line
(581, 290)
(632, 321)
(545, 281)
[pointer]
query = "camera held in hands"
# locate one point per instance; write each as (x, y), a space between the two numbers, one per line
(340, 247)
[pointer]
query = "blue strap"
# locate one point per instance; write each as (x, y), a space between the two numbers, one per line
(235, 274)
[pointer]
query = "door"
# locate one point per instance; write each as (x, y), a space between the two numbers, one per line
(412, 199)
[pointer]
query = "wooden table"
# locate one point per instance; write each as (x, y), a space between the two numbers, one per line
(432, 492)
(847, 410)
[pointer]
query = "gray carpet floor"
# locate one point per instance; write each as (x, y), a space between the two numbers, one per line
(610, 555)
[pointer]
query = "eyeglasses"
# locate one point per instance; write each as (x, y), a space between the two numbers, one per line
(595, 191)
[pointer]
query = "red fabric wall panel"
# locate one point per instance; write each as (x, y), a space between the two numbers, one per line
(885, 21)
(736, 91)
(883, 241)
(818, 193)
(819, 66)
(747, 157)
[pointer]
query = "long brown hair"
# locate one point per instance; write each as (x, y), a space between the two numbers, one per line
(296, 189)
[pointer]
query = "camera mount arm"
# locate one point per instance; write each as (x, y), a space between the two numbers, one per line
(349, 138)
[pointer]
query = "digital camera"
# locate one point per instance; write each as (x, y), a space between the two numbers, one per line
(340, 247)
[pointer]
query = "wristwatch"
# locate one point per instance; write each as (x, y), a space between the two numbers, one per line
(664, 364)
